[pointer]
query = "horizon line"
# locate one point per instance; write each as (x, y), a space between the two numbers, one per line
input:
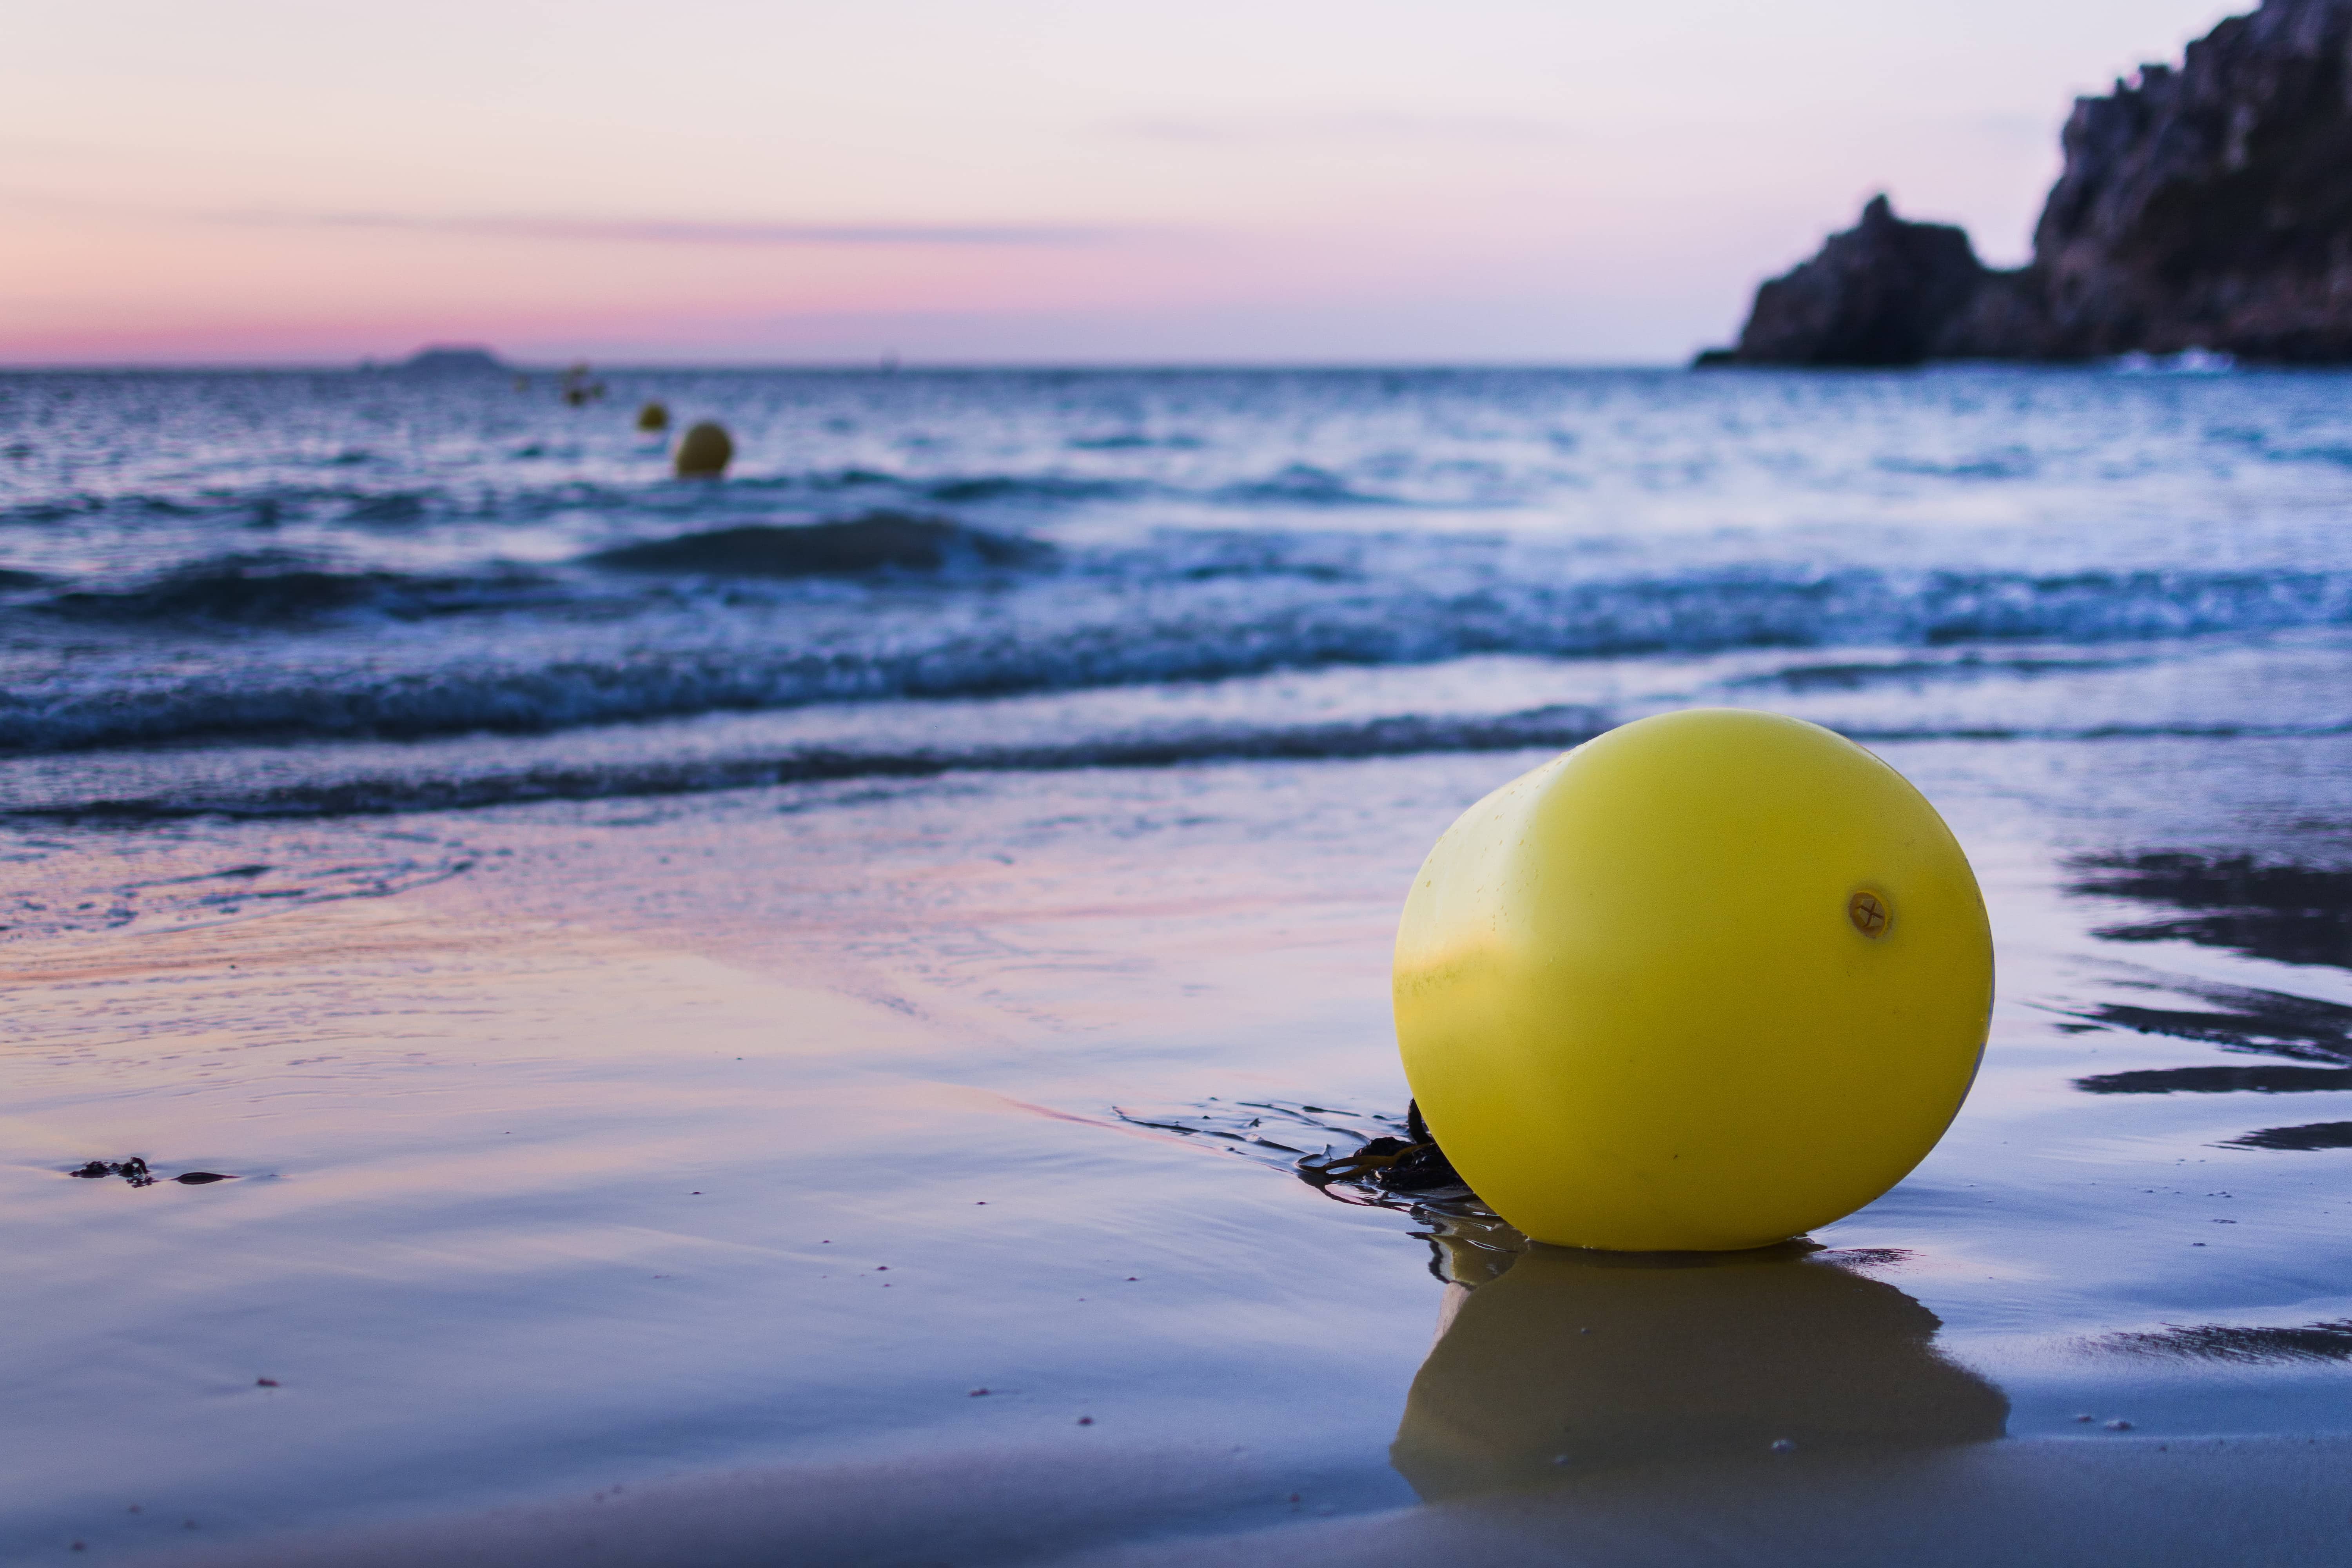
(875, 365)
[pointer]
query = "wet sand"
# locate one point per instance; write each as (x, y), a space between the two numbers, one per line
(2271, 1501)
(663, 1186)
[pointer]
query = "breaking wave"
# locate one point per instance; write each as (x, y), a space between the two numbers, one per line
(270, 590)
(1203, 612)
(443, 787)
(879, 541)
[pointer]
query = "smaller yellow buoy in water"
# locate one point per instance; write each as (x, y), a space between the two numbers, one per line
(1702, 983)
(653, 416)
(704, 452)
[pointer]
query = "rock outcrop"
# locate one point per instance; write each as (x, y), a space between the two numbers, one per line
(1883, 292)
(2205, 207)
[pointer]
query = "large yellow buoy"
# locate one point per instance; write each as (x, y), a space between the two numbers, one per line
(1705, 983)
(704, 451)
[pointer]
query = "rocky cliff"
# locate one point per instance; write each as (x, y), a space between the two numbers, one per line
(2208, 207)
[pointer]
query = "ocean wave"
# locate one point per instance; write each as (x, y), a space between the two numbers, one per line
(1135, 442)
(1069, 630)
(879, 541)
(305, 493)
(443, 788)
(269, 503)
(263, 590)
(272, 785)
(1028, 488)
(2339, 456)
(2100, 607)
(397, 509)
(411, 507)
(1301, 484)
(2009, 465)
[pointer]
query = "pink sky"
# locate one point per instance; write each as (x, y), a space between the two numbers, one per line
(996, 180)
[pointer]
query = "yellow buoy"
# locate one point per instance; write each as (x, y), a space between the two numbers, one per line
(1705, 983)
(653, 416)
(704, 451)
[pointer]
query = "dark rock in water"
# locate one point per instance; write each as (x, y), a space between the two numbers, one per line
(2212, 206)
(2208, 207)
(879, 541)
(1881, 293)
(1891, 293)
(444, 359)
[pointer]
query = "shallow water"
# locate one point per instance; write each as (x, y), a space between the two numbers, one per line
(228, 560)
(658, 1128)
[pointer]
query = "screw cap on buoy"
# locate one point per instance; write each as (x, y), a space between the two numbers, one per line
(1705, 983)
(704, 451)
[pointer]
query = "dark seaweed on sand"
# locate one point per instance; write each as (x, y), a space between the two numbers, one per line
(1366, 1158)
(1411, 1166)
(135, 1172)
(1389, 1161)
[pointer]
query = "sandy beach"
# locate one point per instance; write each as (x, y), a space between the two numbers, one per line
(908, 785)
(667, 1185)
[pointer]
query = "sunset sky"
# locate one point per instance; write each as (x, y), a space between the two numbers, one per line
(1234, 181)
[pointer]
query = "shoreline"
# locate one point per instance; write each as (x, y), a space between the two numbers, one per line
(2026, 1501)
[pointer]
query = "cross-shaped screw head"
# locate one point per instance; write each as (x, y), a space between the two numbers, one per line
(1870, 913)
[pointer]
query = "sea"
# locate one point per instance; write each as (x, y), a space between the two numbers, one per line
(272, 593)
(969, 832)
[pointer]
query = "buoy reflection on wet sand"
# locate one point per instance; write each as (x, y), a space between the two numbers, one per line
(1571, 1362)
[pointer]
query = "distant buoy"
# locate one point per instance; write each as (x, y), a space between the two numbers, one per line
(1703, 984)
(704, 452)
(653, 416)
(579, 388)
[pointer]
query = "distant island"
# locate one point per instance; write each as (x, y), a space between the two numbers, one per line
(2208, 207)
(443, 359)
